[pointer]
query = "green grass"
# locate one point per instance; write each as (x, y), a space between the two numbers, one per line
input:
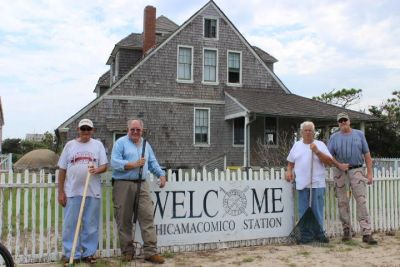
(168, 254)
(248, 259)
(305, 253)
(9, 195)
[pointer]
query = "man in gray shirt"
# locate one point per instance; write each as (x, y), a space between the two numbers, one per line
(350, 146)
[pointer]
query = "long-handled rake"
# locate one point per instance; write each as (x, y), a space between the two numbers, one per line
(136, 203)
(308, 228)
(78, 224)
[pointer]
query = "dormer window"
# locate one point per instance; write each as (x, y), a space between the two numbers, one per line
(211, 28)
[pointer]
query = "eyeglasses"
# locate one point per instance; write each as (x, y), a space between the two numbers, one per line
(85, 128)
(342, 120)
(135, 130)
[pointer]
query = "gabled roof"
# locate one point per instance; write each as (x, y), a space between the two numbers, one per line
(164, 24)
(161, 44)
(264, 55)
(133, 40)
(104, 80)
(290, 105)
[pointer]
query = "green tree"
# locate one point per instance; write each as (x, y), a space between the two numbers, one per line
(11, 145)
(384, 136)
(343, 98)
(19, 147)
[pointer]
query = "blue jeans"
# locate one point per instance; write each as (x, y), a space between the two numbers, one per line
(88, 238)
(317, 204)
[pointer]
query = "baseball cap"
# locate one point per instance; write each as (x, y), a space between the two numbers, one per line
(85, 122)
(342, 115)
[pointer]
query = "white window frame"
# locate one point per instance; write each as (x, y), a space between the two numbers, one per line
(227, 68)
(216, 30)
(115, 68)
(194, 127)
(216, 82)
(277, 132)
(233, 132)
(177, 65)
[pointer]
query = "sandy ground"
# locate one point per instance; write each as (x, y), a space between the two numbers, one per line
(336, 253)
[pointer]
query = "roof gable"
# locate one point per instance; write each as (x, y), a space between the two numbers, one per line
(163, 21)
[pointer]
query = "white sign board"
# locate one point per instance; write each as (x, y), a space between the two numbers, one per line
(218, 211)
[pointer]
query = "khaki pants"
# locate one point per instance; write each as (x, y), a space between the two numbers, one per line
(124, 193)
(358, 184)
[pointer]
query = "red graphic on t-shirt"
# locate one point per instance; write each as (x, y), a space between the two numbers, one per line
(83, 158)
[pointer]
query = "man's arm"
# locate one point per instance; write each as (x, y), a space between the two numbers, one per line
(62, 198)
(289, 173)
(324, 158)
(340, 166)
(368, 162)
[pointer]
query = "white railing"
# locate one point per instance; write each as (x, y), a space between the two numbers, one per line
(31, 219)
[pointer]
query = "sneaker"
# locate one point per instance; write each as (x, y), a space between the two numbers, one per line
(155, 259)
(346, 234)
(369, 240)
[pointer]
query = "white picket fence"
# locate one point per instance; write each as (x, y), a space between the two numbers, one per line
(31, 219)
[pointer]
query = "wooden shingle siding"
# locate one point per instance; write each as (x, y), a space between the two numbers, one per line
(127, 59)
(232, 107)
(147, 88)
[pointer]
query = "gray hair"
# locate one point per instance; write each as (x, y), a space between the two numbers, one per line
(139, 120)
(307, 123)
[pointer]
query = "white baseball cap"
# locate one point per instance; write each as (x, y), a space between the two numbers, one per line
(85, 122)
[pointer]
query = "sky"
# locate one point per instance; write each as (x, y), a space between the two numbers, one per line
(53, 52)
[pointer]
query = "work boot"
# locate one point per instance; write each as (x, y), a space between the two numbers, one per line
(155, 259)
(369, 240)
(346, 234)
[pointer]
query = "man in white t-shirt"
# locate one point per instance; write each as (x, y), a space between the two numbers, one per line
(308, 158)
(80, 156)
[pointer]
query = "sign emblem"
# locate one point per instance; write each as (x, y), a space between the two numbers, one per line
(234, 202)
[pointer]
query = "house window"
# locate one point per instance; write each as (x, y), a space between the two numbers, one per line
(234, 67)
(271, 131)
(185, 66)
(118, 135)
(210, 28)
(210, 65)
(238, 131)
(201, 126)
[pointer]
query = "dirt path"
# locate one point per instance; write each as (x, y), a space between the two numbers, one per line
(336, 253)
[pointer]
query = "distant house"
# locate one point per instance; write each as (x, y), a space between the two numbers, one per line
(34, 137)
(203, 91)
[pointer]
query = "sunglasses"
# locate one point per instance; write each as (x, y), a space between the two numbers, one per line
(342, 120)
(135, 130)
(85, 128)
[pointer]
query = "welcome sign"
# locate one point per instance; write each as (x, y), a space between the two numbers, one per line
(217, 211)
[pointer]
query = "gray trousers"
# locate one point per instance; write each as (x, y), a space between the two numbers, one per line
(358, 184)
(124, 193)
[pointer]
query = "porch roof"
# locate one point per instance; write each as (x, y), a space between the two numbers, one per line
(281, 104)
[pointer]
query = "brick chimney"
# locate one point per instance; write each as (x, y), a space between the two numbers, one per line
(149, 28)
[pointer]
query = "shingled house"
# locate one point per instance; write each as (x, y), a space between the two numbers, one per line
(202, 90)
